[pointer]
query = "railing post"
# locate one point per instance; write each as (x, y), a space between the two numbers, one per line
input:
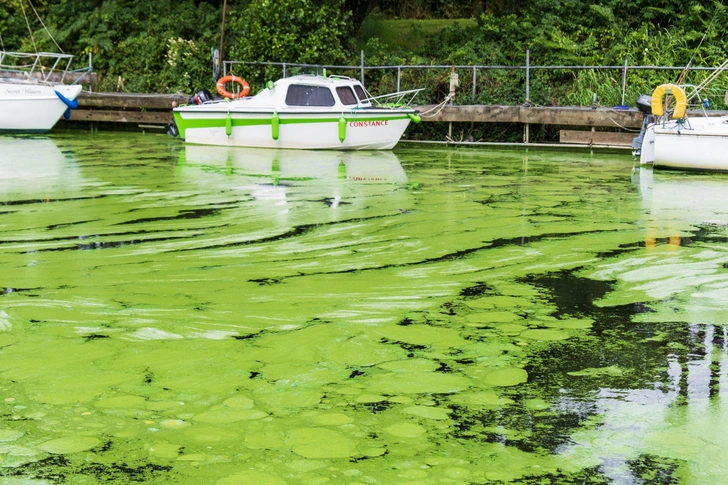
(399, 76)
(474, 82)
(362, 67)
(528, 76)
(284, 70)
(526, 127)
(624, 79)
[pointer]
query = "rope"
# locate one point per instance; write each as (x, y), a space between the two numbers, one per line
(438, 107)
(29, 29)
(684, 72)
(44, 27)
(623, 127)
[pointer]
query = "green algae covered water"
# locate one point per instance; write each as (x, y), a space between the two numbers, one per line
(202, 315)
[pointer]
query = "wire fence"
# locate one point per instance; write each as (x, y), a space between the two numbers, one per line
(504, 84)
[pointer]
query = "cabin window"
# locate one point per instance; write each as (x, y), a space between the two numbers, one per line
(360, 92)
(346, 95)
(300, 95)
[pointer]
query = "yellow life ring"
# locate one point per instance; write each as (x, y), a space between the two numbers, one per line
(230, 78)
(681, 100)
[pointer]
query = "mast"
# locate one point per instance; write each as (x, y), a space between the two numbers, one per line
(222, 36)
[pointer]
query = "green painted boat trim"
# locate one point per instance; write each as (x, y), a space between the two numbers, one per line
(222, 122)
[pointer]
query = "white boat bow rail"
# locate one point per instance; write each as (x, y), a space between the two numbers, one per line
(400, 99)
(44, 67)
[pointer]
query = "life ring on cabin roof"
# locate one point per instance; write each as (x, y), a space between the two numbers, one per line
(235, 79)
(681, 100)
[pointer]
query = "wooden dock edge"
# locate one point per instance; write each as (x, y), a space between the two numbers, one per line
(118, 116)
(609, 138)
(546, 115)
(156, 109)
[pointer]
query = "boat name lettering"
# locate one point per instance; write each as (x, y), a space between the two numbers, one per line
(355, 124)
(23, 91)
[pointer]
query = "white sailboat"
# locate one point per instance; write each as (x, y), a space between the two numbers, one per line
(34, 88)
(33, 96)
(681, 138)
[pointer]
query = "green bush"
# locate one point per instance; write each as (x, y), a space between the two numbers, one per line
(166, 46)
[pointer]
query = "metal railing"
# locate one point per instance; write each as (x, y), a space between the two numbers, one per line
(362, 68)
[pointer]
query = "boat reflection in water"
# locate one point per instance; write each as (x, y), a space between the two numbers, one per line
(33, 167)
(282, 176)
(677, 286)
(363, 166)
(679, 202)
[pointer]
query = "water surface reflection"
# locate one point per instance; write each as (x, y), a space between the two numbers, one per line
(186, 314)
(33, 166)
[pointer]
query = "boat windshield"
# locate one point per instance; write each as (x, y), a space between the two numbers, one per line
(360, 92)
(303, 95)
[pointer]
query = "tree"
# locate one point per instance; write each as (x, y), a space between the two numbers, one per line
(302, 31)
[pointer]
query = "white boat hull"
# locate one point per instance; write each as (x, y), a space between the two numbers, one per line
(380, 130)
(29, 107)
(703, 145)
(299, 112)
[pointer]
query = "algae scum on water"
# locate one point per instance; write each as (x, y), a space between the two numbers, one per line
(181, 314)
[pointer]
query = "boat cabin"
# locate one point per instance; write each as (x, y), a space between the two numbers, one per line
(334, 93)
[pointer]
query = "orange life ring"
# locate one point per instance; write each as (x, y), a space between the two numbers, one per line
(230, 78)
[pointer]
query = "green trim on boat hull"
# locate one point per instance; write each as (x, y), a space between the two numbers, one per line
(222, 121)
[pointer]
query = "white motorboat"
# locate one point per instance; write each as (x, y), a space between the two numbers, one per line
(33, 96)
(300, 112)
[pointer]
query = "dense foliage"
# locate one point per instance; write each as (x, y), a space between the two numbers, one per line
(166, 45)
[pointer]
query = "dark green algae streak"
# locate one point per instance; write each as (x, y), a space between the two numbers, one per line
(181, 314)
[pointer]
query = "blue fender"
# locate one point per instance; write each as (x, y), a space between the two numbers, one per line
(71, 104)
